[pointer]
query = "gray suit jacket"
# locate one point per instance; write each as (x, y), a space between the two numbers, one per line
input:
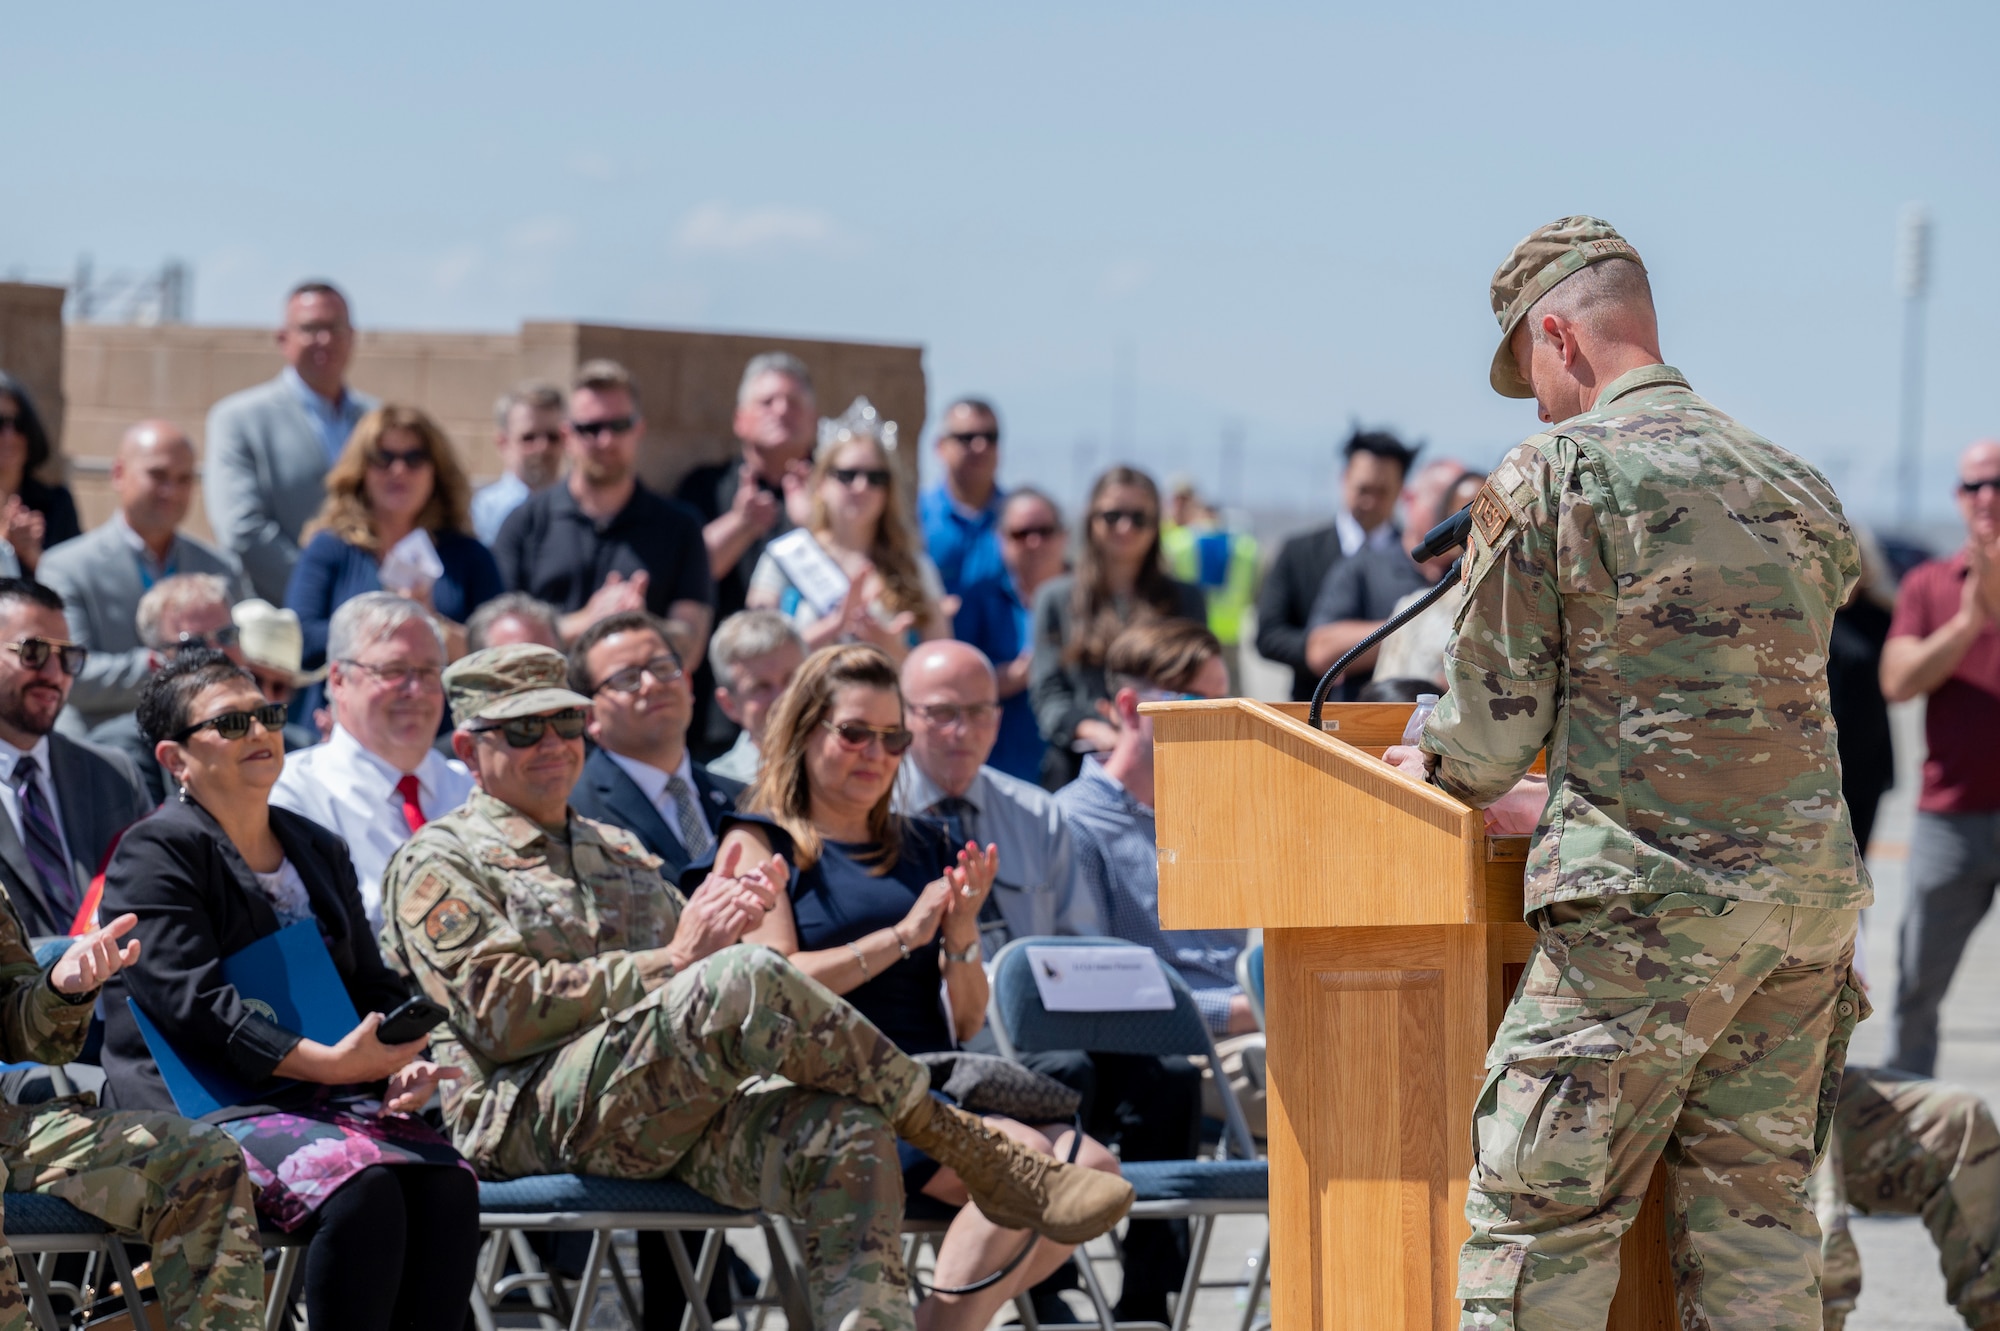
(98, 795)
(264, 477)
(98, 576)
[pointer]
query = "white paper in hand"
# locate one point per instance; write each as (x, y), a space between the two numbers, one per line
(1100, 979)
(412, 564)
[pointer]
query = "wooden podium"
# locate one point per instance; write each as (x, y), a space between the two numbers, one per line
(1393, 941)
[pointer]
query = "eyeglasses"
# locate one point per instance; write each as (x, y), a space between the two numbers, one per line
(876, 477)
(991, 438)
(539, 437)
(1041, 531)
(948, 714)
(11, 424)
(233, 726)
(665, 669)
(525, 732)
(1138, 519)
(396, 675)
(857, 736)
(35, 653)
(616, 425)
(1974, 487)
(220, 639)
(413, 459)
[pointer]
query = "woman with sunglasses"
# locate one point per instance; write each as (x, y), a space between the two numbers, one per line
(396, 477)
(855, 572)
(884, 910)
(391, 1211)
(1120, 580)
(33, 514)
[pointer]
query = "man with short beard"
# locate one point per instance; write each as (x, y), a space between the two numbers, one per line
(65, 803)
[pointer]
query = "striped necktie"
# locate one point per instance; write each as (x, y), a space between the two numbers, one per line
(694, 832)
(42, 841)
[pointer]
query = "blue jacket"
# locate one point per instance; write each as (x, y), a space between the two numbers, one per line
(992, 618)
(330, 573)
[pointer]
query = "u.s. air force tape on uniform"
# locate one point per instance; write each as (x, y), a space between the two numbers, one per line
(1100, 979)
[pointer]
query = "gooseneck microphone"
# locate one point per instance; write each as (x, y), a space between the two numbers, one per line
(1450, 534)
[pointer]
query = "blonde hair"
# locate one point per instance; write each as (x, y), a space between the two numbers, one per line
(896, 547)
(782, 791)
(345, 512)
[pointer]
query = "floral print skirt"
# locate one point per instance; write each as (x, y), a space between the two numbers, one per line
(298, 1160)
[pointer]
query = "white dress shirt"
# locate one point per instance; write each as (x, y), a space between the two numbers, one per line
(652, 783)
(352, 792)
(10, 798)
(1353, 537)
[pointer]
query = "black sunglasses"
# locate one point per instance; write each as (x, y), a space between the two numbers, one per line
(616, 425)
(877, 477)
(413, 459)
(12, 423)
(1974, 487)
(35, 653)
(1040, 531)
(525, 732)
(226, 636)
(855, 735)
(1136, 518)
(233, 726)
(968, 437)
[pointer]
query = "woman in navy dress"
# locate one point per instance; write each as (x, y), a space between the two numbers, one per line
(885, 911)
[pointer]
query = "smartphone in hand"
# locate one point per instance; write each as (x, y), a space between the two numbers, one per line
(412, 1020)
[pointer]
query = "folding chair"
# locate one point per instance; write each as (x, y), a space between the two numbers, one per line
(1237, 1183)
(38, 1228)
(1250, 979)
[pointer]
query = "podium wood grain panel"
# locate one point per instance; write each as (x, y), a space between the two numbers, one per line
(1393, 942)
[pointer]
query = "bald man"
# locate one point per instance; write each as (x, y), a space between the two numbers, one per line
(103, 573)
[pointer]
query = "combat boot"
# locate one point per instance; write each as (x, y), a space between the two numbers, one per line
(1014, 1187)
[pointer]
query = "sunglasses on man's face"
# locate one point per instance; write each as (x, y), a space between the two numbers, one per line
(857, 736)
(411, 459)
(220, 639)
(1974, 487)
(35, 653)
(876, 477)
(233, 726)
(990, 438)
(615, 426)
(525, 732)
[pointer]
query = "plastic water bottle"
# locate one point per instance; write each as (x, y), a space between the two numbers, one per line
(1426, 704)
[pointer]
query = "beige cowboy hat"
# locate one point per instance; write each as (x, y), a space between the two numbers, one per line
(272, 638)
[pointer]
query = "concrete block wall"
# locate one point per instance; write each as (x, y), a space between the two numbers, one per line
(31, 346)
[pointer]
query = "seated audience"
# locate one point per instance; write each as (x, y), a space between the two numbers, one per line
(951, 706)
(35, 516)
(269, 447)
(601, 542)
(529, 438)
(377, 779)
(512, 617)
(65, 802)
(994, 613)
(1120, 580)
(396, 482)
(327, 1132)
(755, 653)
(641, 776)
(878, 908)
(633, 1040)
(961, 513)
(102, 574)
(855, 571)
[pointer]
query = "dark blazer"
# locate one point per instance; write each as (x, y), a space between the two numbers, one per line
(98, 795)
(605, 793)
(1285, 602)
(198, 902)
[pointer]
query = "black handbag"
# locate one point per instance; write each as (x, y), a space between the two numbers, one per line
(986, 1084)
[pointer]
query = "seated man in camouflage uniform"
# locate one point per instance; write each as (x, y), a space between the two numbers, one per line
(606, 1024)
(177, 1185)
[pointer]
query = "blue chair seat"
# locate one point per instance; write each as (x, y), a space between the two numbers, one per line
(31, 1213)
(1198, 1180)
(546, 1193)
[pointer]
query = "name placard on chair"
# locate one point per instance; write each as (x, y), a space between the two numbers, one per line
(1100, 979)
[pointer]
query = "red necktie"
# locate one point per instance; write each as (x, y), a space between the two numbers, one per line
(413, 812)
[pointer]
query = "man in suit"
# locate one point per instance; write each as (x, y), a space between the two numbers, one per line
(65, 803)
(269, 447)
(1377, 461)
(640, 776)
(102, 574)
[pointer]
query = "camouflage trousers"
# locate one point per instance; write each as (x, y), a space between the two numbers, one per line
(1907, 1145)
(1709, 1032)
(660, 1090)
(178, 1185)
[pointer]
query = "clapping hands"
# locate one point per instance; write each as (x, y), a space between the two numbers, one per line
(730, 902)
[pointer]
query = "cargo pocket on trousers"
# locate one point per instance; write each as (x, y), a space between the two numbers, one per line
(1543, 1123)
(1490, 1275)
(1849, 1009)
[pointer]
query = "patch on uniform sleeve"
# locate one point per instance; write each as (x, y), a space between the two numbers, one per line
(452, 923)
(1490, 514)
(420, 896)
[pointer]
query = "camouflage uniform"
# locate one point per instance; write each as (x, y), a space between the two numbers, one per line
(1649, 596)
(177, 1185)
(585, 1052)
(1907, 1145)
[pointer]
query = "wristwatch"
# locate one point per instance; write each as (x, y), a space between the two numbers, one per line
(969, 957)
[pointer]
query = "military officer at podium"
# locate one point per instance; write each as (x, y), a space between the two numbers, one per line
(1649, 595)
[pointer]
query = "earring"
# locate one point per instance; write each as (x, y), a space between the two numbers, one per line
(184, 792)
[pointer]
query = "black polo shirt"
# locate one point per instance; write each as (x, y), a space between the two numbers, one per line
(549, 548)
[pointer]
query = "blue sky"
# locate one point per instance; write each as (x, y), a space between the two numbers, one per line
(1279, 219)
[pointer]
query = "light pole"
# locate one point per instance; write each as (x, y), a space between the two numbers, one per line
(1914, 277)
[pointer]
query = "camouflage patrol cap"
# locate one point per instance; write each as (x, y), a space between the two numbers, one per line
(521, 679)
(1549, 254)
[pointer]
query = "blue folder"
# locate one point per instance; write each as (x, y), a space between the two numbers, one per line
(289, 977)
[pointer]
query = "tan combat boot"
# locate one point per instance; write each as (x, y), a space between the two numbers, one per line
(1014, 1187)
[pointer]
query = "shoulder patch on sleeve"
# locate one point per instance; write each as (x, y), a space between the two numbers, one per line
(452, 923)
(420, 897)
(1490, 514)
